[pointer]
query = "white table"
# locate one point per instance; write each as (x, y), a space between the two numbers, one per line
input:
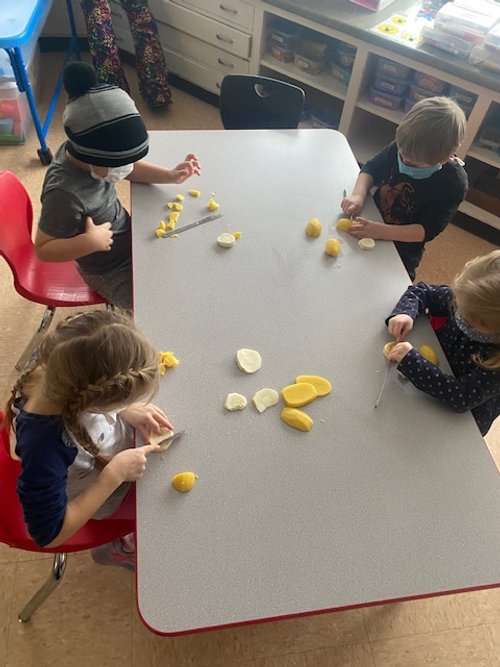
(371, 505)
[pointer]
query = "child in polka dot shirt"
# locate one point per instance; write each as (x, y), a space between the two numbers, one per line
(470, 338)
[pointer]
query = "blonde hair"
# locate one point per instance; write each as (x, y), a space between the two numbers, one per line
(477, 297)
(432, 130)
(94, 360)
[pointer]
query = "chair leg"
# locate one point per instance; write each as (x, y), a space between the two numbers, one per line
(43, 326)
(58, 568)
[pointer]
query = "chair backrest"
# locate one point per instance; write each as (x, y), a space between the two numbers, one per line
(249, 102)
(16, 218)
(13, 530)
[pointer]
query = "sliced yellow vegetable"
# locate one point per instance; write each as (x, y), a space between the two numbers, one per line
(296, 395)
(170, 204)
(237, 235)
(226, 240)
(332, 247)
(173, 216)
(184, 481)
(212, 204)
(179, 197)
(297, 419)
(160, 233)
(321, 384)
(248, 360)
(344, 224)
(388, 347)
(162, 225)
(313, 227)
(366, 244)
(235, 401)
(169, 359)
(429, 353)
(171, 225)
(194, 193)
(265, 398)
(177, 207)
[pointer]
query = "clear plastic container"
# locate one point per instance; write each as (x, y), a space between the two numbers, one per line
(346, 54)
(430, 83)
(393, 69)
(280, 52)
(389, 85)
(341, 73)
(416, 94)
(309, 62)
(286, 37)
(385, 100)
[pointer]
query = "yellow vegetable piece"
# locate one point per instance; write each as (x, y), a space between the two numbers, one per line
(160, 233)
(171, 225)
(173, 216)
(332, 247)
(296, 395)
(170, 204)
(344, 224)
(212, 204)
(179, 197)
(184, 481)
(321, 384)
(388, 347)
(177, 207)
(237, 235)
(297, 419)
(313, 227)
(429, 353)
(366, 243)
(169, 359)
(194, 193)
(162, 225)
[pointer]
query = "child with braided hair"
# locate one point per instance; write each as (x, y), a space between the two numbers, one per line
(73, 411)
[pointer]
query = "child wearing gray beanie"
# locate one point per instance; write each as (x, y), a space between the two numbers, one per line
(82, 218)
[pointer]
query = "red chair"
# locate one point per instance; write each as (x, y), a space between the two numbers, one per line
(13, 529)
(53, 284)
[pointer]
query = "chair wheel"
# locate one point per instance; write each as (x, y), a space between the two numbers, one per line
(45, 156)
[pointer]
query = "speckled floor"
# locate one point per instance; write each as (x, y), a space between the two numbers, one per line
(91, 619)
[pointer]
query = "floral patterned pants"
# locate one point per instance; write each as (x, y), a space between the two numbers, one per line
(150, 61)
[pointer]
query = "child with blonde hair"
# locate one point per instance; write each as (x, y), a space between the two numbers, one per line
(73, 411)
(470, 338)
(419, 182)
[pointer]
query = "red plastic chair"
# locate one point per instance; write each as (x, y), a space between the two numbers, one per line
(53, 284)
(13, 529)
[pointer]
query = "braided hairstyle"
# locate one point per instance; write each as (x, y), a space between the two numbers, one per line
(96, 360)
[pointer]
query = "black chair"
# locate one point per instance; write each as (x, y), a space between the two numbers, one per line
(250, 102)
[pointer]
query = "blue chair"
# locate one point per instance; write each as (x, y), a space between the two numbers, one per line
(21, 21)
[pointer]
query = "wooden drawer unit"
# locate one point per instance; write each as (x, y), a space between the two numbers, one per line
(233, 12)
(194, 71)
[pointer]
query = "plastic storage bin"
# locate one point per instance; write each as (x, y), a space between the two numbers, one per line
(309, 62)
(416, 94)
(346, 54)
(287, 37)
(341, 73)
(15, 117)
(389, 85)
(392, 69)
(430, 83)
(385, 100)
(279, 52)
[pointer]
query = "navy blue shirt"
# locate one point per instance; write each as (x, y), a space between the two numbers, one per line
(46, 452)
(473, 387)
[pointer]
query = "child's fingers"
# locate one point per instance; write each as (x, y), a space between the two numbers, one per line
(147, 449)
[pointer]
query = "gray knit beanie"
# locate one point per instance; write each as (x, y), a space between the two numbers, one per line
(102, 123)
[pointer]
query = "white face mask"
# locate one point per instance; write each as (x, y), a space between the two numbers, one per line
(114, 173)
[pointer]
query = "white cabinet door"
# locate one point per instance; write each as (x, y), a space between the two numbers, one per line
(202, 76)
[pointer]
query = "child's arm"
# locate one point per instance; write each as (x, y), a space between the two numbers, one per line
(147, 172)
(362, 228)
(146, 417)
(127, 466)
(352, 204)
(422, 297)
(96, 238)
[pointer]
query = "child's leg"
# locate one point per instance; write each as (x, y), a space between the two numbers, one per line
(149, 58)
(102, 43)
(119, 552)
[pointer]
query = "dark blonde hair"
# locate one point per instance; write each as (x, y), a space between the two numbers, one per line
(432, 130)
(477, 297)
(93, 360)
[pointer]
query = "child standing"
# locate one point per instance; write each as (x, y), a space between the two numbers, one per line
(470, 338)
(419, 182)
(73, 412)
(82, 218)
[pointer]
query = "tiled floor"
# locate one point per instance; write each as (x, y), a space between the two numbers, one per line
(91, 619)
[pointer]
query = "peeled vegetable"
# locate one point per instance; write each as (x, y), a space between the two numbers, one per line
(332, 247)
(388, 347)
(156, 438)
(248, 360)
(366, 244)
(212, 204)
(296, 395)
(265, 398)
(313, 227)
(226, 240)
(344, 224)
(321, 384)
(235, 401)
(429, 353)
(184, 481)
(297, 419)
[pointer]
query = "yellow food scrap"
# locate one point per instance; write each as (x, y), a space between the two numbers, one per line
(296, 395)
(170, 204)
(173, 216)
(344, 224)
(194, 193)
(167, 360)
(212, 204)
(332, 247)
(237, 235)
(388, 347)
(162, 225)
(429, 353)
(179, 197)
(313, 227)
(171, 225)
(297, 419)
(160, 233)
(321, 384)
(184, 481)
(177, 207)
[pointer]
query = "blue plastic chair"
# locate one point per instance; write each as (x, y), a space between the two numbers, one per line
(20, 22)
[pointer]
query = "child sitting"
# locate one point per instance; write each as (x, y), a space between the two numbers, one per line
(419, 183)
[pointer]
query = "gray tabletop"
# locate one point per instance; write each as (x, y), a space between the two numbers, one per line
(370, 505)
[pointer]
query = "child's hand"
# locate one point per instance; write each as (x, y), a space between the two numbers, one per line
(191, 166)
(99, 236)
(130, 464)
(363, 228)
(400, 326)
(399, 351)
(352, 204)
(147, 418)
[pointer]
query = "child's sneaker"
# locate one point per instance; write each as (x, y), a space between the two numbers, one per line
(119, 552)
